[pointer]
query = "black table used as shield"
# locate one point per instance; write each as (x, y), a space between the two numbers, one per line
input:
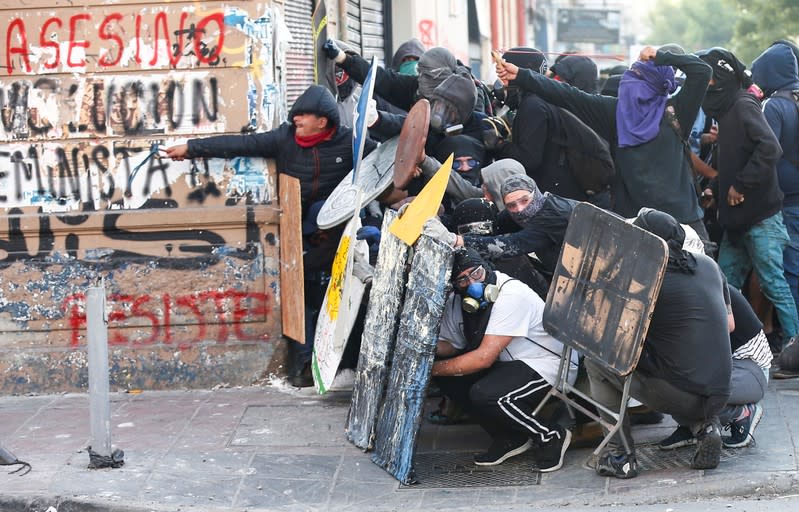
(600, 302)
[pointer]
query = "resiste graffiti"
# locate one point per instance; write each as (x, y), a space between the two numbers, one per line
(89, 97)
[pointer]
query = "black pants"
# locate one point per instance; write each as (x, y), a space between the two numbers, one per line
(502, 399)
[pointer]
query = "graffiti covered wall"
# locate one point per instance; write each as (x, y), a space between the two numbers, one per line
(90, 94)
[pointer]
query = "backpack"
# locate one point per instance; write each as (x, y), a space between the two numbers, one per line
(794, 97)
(584, 152)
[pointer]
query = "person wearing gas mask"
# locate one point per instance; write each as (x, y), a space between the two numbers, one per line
(435, 65)
(496, 360)
(454, 128)
(451, 113)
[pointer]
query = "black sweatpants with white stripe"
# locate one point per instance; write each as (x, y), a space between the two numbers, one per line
(502, 399)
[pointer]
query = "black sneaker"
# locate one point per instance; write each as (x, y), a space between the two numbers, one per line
(302, 379)
(549, 456)
(619, 466)
(682, 436)
(708, 446)
(502, 450)
(741, 430)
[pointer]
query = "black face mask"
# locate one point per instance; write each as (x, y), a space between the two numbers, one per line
(345, 89)
(720, 97)
(513, 97)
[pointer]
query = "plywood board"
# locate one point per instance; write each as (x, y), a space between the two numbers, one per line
(292, 282)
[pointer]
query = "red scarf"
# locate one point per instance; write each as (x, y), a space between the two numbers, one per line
(313, 140)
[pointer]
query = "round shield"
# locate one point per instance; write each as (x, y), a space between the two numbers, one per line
(411, 143)
(374, 177)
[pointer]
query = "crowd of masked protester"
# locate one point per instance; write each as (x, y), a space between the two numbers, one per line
(689, 145)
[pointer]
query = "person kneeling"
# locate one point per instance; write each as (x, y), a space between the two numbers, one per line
(500, 363)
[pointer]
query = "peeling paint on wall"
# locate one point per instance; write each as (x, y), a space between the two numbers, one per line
(89, 95)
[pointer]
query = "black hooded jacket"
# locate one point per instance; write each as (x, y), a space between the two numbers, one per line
(776, 71)
(747, 159)
(319, 168)
(577, 70)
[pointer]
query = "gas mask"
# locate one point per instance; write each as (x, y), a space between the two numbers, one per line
(478, 296)
(444, 117)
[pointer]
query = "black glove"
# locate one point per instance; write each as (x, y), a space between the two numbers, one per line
(333, 52)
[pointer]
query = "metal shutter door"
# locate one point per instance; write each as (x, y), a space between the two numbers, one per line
(365, 28)
(299, 58)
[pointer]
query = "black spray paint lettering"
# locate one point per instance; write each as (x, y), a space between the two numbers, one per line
(195, 247)
(136, 106)
(64, 181)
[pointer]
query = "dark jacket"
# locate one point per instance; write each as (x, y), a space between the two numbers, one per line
(535, 123)
(543, 235)
(748, 153)
(687, 343)
(319, 168)
(775, 71)
(656, 174)
(399, 90)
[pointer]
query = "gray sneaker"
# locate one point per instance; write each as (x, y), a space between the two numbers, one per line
(708, 446)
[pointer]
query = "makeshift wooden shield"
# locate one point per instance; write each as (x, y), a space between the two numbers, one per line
(379, 333)
(339, 307)
(400, 415)
(324, 72)
(373, 178)
(292, 280)
(412, 139)
(604, 288)
(424, 206)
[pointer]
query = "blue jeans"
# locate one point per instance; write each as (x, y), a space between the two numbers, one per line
(761, 248)
(790, 256)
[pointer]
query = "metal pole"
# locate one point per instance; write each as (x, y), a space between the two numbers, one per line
(99, 404)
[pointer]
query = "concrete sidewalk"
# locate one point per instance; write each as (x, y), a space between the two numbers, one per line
(274, 447)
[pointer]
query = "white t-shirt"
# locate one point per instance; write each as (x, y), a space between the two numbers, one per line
(518, 312)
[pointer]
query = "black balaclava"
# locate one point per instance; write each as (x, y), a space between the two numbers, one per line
(465, 258)
(463, 145)
(577, 70)
(524, 57)
(475, 216)
(452, 102)
(666, 227)
(344, 83)
(611, 86)
(729, 77)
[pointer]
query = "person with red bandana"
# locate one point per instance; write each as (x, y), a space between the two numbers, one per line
(315, 148)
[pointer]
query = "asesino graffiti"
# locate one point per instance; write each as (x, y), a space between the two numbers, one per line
(64, 43)
(216, 315)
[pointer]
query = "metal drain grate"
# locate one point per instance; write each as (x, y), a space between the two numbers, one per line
(652, 458)
(437, 470)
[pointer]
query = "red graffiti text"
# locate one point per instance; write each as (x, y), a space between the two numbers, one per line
(217, 315)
